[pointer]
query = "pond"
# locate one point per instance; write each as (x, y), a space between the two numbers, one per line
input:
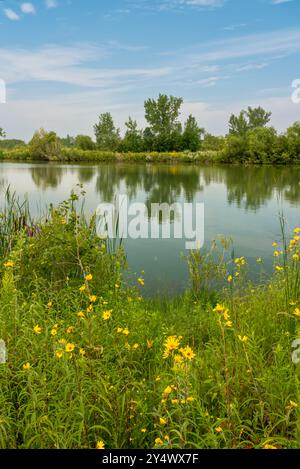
(240, 202)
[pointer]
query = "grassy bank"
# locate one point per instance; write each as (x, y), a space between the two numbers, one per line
(90, 363)
(90, 156)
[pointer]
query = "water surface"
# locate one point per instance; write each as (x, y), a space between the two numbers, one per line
(241, 203)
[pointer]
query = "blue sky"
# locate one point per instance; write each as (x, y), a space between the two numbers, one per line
(67, 61)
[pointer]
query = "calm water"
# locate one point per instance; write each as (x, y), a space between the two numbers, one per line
(242, 203)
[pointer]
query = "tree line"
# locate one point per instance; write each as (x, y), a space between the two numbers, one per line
(249, 137)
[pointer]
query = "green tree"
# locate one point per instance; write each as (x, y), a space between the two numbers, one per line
(162, 116)
(261, 144)
(107, 135)
(67, 141)
(212, 142)
(84, 142)
(236, 149)
(2, 133)
(148, 139)
(191, 138)
(293, 142)
(238, 125)
(248, 120)
(45, 145)
(258, 117)
(133, 139)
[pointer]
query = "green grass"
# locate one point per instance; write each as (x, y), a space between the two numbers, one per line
(240, 390)
(77, 155)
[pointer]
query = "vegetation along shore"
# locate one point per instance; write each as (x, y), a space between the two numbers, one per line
(250, 140)
(91, 364)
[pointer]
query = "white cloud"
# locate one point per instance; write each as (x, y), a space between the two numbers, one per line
(51, 4)
(10, 14)
(68, 65)
(27, 8)
(204, 3)
(282, 41)
(249, 67)
(278, 2)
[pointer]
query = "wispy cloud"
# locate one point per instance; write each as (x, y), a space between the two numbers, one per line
(27, 8)
(282, 41)
(77, 65)
(278, 2)
(51, 4)
(11, 14)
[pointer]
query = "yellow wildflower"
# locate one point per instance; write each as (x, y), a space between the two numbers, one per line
(90, 309)
(82, 352)
(107, 315)
(82, 288)
(243, 338)
(178, 359)
(219, 308)
(219, 429)
(188, 353)
(190, 399)
(167, 391)
(162, 421)
(268, 446)
(70, 330)
(297, 312)
(143, 430)
(59, 353)
(150, 343)
(93, 298)
(100, 445)
(119, 330)
(37, 329)
(175, 401)
(293, 404)
(226, 315)
(229, 279)
(54, 332)
(228, 324)
(81, 315)
(70, 348)
(126, 331)
(171, 343)
(49, 305)
(158, 442)
(135, 346)
(89, 278)
(9, 264)
(141, 281)
(27, 366)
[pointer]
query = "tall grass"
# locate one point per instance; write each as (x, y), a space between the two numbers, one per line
(92, 364)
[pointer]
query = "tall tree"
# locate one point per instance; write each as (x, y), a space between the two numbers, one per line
(238, 125)
(252, 118)
(107, 135)
(258, 117)
(191, 138)
(133, 139)
(2, 133)
(162, 116)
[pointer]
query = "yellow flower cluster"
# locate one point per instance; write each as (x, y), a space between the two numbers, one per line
(224, 311)
(294, 246)
(171, 344)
